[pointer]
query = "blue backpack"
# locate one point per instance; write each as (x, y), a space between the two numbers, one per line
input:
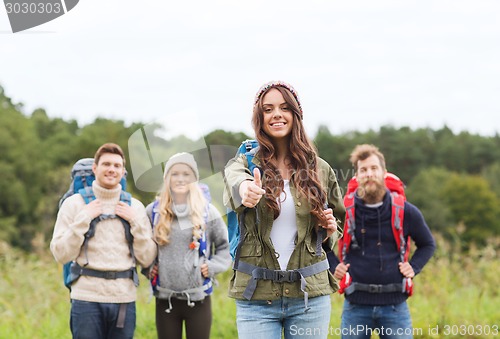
(249, 148)
(81, 183)
(203, 251)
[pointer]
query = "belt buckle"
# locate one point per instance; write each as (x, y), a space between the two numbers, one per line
(110, 275)
(281, 276)
(374, 288)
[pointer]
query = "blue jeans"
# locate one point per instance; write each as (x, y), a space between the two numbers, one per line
(91, 320)
(261, 319)
(391, 321)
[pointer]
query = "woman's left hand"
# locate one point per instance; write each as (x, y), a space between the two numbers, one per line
(331, 222)
(204, 270)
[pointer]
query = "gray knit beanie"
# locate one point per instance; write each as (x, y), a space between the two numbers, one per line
(182, 158)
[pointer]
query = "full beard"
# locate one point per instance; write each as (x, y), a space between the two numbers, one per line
(371, 192)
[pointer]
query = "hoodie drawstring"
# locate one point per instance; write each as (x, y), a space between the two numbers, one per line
(189, 302)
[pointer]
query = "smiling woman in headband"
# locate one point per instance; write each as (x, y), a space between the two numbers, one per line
(289, 206)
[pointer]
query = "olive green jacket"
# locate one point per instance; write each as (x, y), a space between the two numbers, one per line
(257, 248)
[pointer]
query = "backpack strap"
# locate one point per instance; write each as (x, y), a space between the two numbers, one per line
(233, 231)
(155, 213)
(155, 218)
(349, 228)
(320, 236)
(89, 196)
(397, 219)
(249, 148)
(203, 251)
(347, 238)
(242, 234)
(126, 197)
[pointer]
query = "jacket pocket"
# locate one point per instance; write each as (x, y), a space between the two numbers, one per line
(251, 247)
(251, 253)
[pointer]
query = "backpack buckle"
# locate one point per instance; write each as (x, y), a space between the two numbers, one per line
(374, 288)
(106, 216)
(283, 276)
(109, 275)
(248, 145)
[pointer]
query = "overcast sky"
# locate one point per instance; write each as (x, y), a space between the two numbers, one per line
(356, 64)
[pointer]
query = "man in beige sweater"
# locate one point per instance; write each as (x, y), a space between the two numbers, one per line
(103, 297)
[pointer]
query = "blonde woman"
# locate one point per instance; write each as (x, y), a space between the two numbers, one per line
(183, 221)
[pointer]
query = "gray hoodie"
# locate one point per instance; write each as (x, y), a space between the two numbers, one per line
(179, 266)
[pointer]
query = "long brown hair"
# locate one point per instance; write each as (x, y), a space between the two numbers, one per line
(302, 157)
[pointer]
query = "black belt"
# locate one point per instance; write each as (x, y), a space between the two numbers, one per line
(276, 275)
(128, 274)
(373, 288)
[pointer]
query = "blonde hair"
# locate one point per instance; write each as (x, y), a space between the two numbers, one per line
(196, 203)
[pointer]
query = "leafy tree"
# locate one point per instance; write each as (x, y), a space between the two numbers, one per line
(57, 182)
(221, 137)
(20, 165)
(222, 146)
(426, 192)
(335, 150)
(474, 205)
(492, 174)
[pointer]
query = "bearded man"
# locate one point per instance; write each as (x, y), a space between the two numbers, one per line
(374, 303)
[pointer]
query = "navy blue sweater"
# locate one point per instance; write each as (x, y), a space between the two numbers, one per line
(378, 264)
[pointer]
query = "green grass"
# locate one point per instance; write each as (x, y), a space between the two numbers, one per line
(455, 289)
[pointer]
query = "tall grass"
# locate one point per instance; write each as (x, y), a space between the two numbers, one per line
(456, 288)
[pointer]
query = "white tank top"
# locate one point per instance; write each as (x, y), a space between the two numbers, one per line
(284, 230)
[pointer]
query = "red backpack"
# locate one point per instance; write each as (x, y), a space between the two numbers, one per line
(398, 198)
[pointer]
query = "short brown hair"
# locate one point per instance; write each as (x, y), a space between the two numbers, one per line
(109, 148)
(364, 151)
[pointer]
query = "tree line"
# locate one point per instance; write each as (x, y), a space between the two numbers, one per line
(453, 178)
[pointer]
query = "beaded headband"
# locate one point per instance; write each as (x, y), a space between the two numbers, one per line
(278, 83)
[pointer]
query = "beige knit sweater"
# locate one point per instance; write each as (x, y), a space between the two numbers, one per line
(107, 251)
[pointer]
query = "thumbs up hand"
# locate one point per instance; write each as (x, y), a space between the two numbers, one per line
(256, 175)
(251, 191)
